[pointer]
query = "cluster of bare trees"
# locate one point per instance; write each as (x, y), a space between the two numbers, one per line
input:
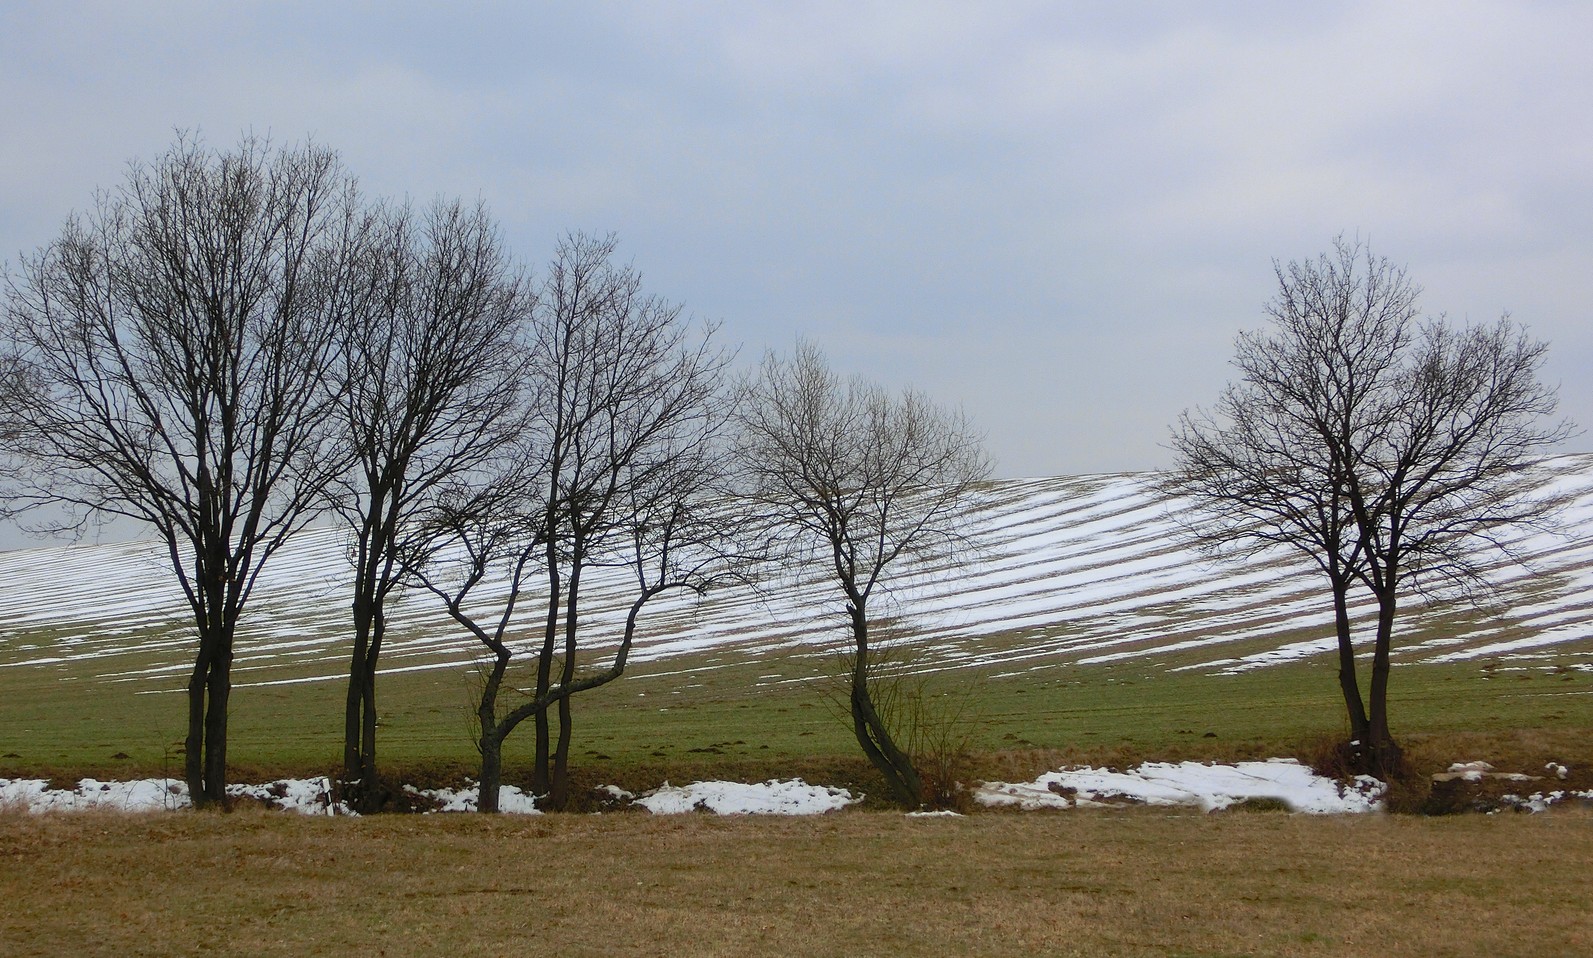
(232, 344)
(235, 343)
(1383, 447)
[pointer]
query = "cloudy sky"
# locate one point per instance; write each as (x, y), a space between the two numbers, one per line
(1057, 215)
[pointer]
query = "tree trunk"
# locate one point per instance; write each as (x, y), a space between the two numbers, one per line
(218, 686)
(367, 758)
(541, 770)
(194, 744)
(1349, 682)
(490, 741)
(1386, 756)
(491, 770)
(559, 780)
(873, 736)
(354, 701)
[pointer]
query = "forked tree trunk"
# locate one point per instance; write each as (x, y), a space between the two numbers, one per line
(209, 690)
(361, 787)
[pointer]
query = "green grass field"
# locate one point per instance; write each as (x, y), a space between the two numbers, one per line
(717, 715)
(866, 881)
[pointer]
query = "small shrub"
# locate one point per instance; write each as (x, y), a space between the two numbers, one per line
(1260, 805)
(1332, 757)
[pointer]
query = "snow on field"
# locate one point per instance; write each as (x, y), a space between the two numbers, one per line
(1067, 570)
(794, 797)
(1209, 787)
(511, 800)
(312, 796)
(1189, 783)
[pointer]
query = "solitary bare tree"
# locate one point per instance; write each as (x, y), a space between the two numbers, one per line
(181, 336)
(859, 482)
(1382, 448)
(431, 362)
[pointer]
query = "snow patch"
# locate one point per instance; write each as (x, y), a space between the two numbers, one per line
(308, 796)
(1543, 801)
(774, 797)
(511, 800)
(1208, 787)
(1477, 771)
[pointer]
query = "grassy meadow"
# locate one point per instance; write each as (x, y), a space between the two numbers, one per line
(711, 714)
(1120, 882)
(107, 702)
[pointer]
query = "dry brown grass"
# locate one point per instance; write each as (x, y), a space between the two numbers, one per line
(1129, 882)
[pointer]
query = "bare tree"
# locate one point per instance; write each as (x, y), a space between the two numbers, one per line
(181, 335)
(15, 387)
(621, 468)
(861, 483)
(1267, 466)
(1467, 415)
(431, 367)
(1382, 448)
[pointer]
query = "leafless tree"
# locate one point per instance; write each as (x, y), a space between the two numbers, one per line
(1383, 448)
(182, 337)
(861, 483)
(14, 389)
(431, 363)
(621, 467)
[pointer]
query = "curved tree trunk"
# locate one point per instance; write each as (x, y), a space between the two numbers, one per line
(490, 740)
(905, 784)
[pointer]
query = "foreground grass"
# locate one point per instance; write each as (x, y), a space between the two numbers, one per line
(1126, 882)
(696, 707)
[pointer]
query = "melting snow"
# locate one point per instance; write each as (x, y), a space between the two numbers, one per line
(1100, 555)
(311, 796)
(314, 797)
(511, 800)
(1208, 787)
(774, 797)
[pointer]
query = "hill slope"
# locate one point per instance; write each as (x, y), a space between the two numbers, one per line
(1069, 570)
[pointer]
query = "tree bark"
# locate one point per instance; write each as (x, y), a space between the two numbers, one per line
(491, 738)
(1349, 681)
(218, 686)
(354, 701)
(194, 744)
(559, 780)
(1386, 756)
(542, 768)
(903, 780)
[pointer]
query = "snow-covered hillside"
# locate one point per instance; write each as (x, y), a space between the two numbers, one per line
(1069, 570)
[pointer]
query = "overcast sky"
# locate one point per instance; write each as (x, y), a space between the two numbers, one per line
(1057, 215)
